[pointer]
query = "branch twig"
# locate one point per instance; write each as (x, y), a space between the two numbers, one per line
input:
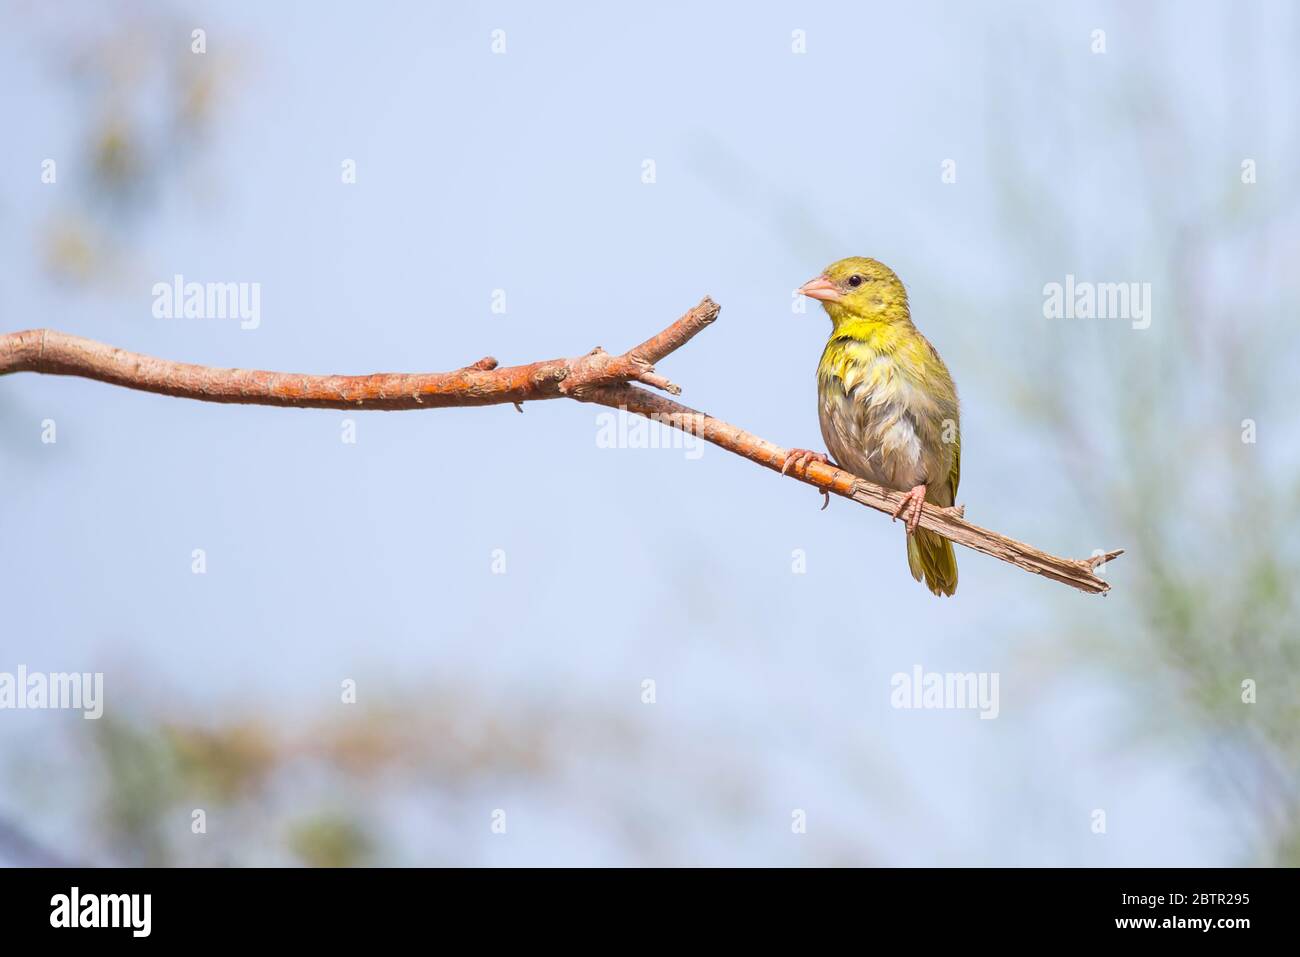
(595, 377)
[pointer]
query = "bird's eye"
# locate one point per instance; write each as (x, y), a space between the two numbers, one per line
(855, 281)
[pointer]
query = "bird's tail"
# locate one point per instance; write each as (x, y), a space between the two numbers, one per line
(930, 556)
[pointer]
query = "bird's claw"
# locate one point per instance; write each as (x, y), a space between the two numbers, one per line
(802, 458)
(910, 508)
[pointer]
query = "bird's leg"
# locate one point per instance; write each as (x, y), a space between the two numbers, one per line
(802, 457)
(910, 507)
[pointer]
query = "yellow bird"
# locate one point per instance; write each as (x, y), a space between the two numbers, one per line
(887, 405)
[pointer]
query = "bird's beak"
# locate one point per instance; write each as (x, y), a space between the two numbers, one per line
(821, 288)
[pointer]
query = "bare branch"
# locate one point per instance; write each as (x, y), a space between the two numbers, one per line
(596, 377)
(483, 383)
(948, 522)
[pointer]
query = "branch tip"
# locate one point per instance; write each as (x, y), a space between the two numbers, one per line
(1102, 559)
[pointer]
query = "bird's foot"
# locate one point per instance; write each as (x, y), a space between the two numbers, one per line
(802, 458)
(910, 507)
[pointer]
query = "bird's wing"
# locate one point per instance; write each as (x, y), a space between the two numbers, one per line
(955, 475)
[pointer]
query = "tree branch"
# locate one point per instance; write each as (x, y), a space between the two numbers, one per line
(595, 377)
(482, 383)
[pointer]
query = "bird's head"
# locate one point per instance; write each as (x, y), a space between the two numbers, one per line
(859, 288)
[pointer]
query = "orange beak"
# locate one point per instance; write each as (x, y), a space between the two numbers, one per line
(821, 288)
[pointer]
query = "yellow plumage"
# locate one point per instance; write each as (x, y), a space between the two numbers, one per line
(887, 404)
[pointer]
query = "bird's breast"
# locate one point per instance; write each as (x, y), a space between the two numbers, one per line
(878, 419)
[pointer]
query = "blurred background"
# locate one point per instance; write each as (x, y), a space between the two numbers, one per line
(495, 590)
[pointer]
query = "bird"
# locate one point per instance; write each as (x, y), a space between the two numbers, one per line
(887, 406)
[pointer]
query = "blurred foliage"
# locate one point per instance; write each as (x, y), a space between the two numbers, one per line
(146, 102)
(330, 840)
(1147, 424)
(314, 793)
(140, 783)
(227, 763)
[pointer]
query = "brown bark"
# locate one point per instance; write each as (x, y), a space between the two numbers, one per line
(482, 383)
(595, 377)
